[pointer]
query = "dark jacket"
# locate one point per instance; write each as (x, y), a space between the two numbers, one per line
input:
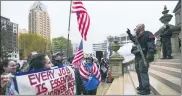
(57, 63)
(166, 36)
(147, 43)
(79, 84)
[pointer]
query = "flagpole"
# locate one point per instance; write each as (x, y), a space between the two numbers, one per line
(69, 29)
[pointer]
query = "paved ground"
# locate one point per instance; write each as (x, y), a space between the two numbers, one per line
(103, 87)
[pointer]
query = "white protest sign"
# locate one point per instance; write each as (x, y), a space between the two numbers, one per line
(58, 81)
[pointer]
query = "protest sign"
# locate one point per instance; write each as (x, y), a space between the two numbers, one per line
(58, 81)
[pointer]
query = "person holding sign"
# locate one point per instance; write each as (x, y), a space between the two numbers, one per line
(8, 68)
(41, 61)
(44, 79)
(90, 75)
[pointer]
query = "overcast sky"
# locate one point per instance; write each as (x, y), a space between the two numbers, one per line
(107, 17)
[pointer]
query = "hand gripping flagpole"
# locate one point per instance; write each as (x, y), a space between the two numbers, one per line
(69, 30)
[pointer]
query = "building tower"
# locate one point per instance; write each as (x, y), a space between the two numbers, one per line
(9, 40)
(39, 21)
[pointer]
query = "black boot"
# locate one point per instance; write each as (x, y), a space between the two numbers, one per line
(142, 92)
(164, 58)
(139, 88)
(169, 57)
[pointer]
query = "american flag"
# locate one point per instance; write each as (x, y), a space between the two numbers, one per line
(83, 18)
(85, 74)
(79, 56)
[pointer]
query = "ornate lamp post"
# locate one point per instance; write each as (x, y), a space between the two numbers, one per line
(166, 18)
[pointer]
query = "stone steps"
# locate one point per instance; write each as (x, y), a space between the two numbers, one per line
(168, 60)
(129, 88)
(117, 87)
(134, 78)
(165, 63)
(168, 70)
(171, 81)
(165, 76)
(157, 87)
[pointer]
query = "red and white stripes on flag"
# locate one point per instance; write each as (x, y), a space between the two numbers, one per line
(85, 73)
(83, 18)
(79, 56)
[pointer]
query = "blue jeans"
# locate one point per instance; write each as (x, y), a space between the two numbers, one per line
(142, 73)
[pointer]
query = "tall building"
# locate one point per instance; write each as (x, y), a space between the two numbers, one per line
(122, 39)
(100, 46)
(39, 21)
(9, 39)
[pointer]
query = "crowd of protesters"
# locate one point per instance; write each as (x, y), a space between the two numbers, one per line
(38, 61)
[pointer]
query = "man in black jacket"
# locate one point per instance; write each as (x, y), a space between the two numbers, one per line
(147, 42)
(166, 42)
(58, 59)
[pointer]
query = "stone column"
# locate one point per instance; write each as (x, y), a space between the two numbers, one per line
(175, 39)
(175, 44)
(116, 60)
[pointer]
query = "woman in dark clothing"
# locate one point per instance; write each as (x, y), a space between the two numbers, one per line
(40, 61)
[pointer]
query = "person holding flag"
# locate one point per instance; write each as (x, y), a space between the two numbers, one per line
(90, 75)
